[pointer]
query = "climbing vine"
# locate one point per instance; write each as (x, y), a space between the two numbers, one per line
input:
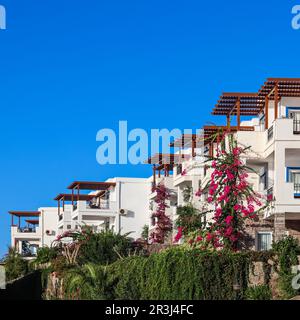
(163, 224)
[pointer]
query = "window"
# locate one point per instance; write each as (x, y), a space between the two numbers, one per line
(263, 178)
(293, 175)
(264, 241)
(294, 113)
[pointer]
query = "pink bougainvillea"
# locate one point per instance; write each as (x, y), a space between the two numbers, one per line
(163, 224)
(232, 197)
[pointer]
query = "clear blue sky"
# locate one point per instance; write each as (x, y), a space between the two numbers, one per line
(69, 68)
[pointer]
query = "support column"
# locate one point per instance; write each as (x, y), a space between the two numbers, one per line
(193, 147)
(228, 120)
(238, 107)
(279, 226)
(154, 175)
(267, 113)
(276, 101)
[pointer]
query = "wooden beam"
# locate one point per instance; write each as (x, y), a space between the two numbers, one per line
(276, 101)
(58, 206)
(193, 146)
(267, 113)
(228, 120)
(238, 107)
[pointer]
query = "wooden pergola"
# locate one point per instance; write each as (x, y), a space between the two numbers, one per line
(188, 141)
(238, 104)
(162, 162)
(64, 197)
(90, 186)
(21, 214)
(275, 89)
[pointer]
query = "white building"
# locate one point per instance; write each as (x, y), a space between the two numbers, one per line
(119, 204)
(33, 229)
(272, 131)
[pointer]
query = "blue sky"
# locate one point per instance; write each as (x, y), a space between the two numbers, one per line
(70, 68)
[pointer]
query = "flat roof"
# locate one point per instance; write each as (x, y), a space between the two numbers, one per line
(90, 185)
(250, 104)
(25, 213)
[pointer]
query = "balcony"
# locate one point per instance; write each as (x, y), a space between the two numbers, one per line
(296, 126)
(297, 190)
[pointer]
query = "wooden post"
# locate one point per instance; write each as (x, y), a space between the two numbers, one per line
(154, 175)
(193, 146)
(228, 120)
(19, 222)
(276, 101)
(267, 113)
(63, 204)
(12, 220)
(58, 203)
(77, 194)
(72, 196)
(182, 145)
(165, 170)
(238, 106)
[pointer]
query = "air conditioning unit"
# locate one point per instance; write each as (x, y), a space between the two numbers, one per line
(123, 212)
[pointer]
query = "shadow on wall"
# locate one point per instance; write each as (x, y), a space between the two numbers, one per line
(26, 288)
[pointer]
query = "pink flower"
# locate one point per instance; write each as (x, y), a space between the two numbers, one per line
(199, 238)
(270, 197)
(179, 234)
(230, 176)
(237, 207)
(209, 199)
(228, 219)
(183, 173)
(228, 231)
(209, 237)
(198, 193)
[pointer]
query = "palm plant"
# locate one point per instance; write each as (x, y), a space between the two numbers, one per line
(85, 282)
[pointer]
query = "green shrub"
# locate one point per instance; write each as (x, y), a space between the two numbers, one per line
(104, 248)
(287, 251)
(15, 265)
(179, 274)
(262, 292)
(46, 254)
(85, 282)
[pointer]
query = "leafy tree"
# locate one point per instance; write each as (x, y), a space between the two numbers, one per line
(15, 265)
(104, 247)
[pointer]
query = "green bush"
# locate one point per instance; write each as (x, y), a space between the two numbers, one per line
(178, 274)
(104, 248)
(15, 265)
(262, 292)
(46, 254)
(287, 251)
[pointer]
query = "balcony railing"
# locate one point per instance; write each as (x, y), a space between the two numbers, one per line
(270, 133)
(296, 126)
(26, 230)
(297, 190)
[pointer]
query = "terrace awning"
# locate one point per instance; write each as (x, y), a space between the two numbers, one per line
(68, 197)
(163, 158)
(89, 185)
(34, 222)
(25, 213)
(275, 89)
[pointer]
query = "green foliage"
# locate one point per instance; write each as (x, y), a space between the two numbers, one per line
(145, 232)
(287, 250)
(187, 194)
(104, 248)
(189, 218)
(262, 292)
(86, 282)
(15, 265)
(179, 274)
(46, 254)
